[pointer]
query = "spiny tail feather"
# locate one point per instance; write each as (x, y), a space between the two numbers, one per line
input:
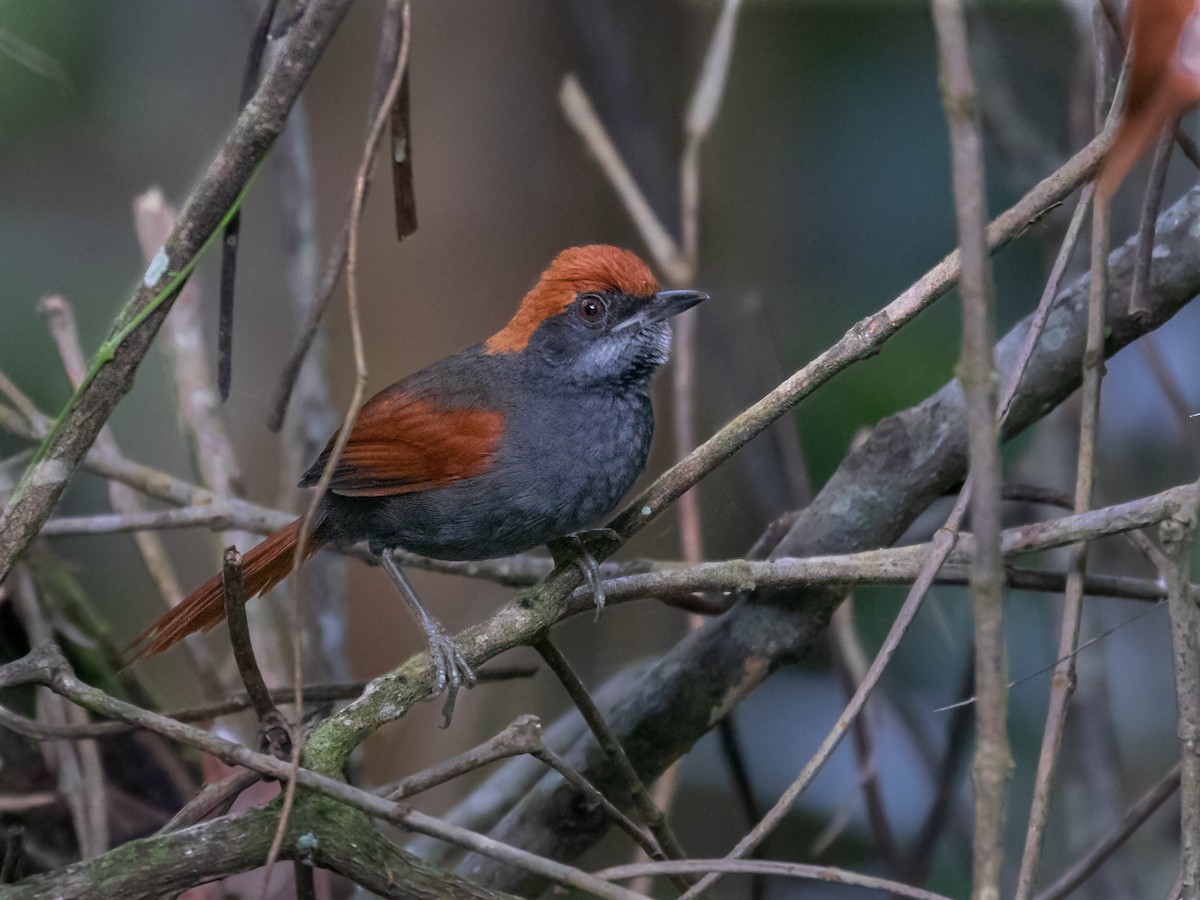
(263, 567)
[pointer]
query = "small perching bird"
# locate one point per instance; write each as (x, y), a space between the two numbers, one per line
(526, 438)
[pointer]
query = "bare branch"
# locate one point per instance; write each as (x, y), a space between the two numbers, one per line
(46, 666)
(385, 66)
(911, 459)
(976, 372)
(585, 120)
(275, 735)
(212, 201)
(650, 814)
(1178, 536)
(1134, 818)
(770, 867)
(1063, 683)
(60, 320)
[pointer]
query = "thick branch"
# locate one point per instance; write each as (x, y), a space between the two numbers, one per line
(910, 460)
(321, 831)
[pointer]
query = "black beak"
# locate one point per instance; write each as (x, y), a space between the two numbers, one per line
(661, 306)
(671, 303)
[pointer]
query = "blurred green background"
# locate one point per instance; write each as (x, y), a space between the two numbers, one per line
(825, 193)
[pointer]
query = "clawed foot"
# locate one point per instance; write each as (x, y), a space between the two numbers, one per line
(450, 667)
(574, 549)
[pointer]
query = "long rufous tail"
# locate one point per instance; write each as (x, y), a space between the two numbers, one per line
(263, 567)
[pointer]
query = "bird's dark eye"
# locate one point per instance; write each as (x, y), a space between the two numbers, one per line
(591, 308)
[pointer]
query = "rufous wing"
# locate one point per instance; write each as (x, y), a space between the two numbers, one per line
(1164, 80)
(400, 444)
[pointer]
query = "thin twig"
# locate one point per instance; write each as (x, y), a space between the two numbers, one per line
(403, 195)
(643, 804)
(12, 868)
(306, 433)
(583, 117)
(22, 404)
(679, 585)
(385, 67)
(1063, 682)
(643, 839)
(977, 374)
(702, 113)
(229, 239)
(850, 665)
(80, 772)
(274, 734)
(60, 321)
(317, 693)
(216, 517)
(769, 867)
(1141, 810)
(112, 373)
(213, 798)
(522, 736)
(197, 403)
(22, 803)
(46, 666)
(1150, 207)
(370, 149)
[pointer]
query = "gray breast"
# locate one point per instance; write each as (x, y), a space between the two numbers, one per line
(591, 447)
(563, 464)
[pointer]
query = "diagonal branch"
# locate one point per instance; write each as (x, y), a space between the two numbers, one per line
(911, 459)
(209, 206)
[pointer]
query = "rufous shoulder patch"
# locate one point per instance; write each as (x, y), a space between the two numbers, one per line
(401, 444)
(595, 267)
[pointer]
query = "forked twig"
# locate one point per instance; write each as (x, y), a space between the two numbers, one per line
(643, 804)
(274, 734)
(391, 32)
(358, 198)
(522, 736)
(46, 666)
(112, 372)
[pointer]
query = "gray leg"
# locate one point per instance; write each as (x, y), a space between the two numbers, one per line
(572, 548)
(450, 666)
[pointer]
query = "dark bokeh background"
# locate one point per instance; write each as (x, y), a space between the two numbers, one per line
(825, 193)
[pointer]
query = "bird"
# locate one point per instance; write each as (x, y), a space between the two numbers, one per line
(527, 438)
